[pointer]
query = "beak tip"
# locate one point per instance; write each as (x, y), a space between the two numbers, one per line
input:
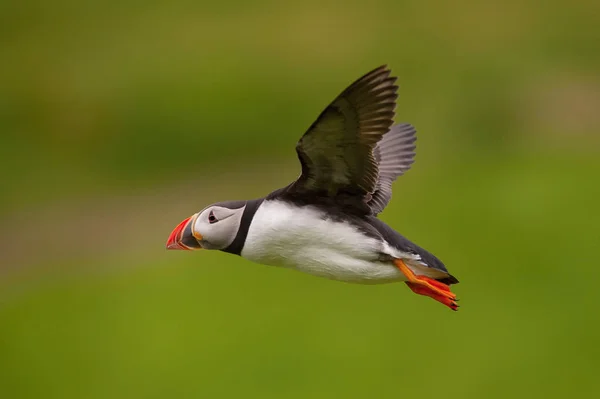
(173, 246)
(174, 238)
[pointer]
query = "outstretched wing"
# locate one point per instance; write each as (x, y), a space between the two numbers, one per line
(395, 154)
(336, 152)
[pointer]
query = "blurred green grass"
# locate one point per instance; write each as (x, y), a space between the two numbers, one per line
(120, 118)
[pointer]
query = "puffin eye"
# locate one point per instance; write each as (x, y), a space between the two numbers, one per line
(212, 218)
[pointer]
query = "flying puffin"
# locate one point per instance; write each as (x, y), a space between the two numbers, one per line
(325, 223)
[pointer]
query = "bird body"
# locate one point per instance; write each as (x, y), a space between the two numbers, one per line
(305, 239)
(325, 223)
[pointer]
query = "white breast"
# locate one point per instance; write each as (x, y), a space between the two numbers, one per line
(282, 234)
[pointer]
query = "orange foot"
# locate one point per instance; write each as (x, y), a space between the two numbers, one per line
(427, 286)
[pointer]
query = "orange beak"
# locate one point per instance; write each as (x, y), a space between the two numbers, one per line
(174, 241)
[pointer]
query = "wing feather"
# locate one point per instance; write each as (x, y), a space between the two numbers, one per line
(395, 154)
(351, 154)
(336, 152)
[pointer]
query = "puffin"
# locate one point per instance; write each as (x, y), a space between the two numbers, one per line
(325, 222)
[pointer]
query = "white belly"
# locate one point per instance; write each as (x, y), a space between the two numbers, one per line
(297, 237)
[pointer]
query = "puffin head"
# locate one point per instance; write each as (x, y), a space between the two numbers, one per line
(214, 227)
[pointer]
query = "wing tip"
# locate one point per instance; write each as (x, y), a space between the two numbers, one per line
(379, 74)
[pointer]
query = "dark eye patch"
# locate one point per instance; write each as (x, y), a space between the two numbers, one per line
(212, 218)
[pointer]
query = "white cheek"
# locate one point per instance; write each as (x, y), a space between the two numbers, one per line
(201, 227)
(214, 236)
(221, 234)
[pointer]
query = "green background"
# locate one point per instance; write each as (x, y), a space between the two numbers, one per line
(120, 118)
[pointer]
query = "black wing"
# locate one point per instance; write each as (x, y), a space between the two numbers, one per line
(336, 152)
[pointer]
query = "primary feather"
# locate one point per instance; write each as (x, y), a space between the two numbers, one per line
(336, 152)
(395, 154)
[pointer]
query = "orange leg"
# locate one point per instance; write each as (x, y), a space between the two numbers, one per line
(427, 286)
